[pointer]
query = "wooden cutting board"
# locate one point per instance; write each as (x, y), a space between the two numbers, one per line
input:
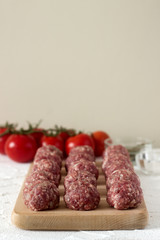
(62, 218)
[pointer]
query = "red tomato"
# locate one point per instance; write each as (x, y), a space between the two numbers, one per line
(37, 135)
(78, 140)
(3, 140)
(99, 137)
(20, 147)
(64, 136)
(51, 140)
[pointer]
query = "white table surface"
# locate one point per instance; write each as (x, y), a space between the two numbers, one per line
(12, 175)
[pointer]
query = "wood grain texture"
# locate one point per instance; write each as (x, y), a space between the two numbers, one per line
(62, 218)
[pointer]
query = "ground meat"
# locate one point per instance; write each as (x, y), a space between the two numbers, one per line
(122, 183)
(80, 183)
(83, 164)
(110, 168)
(46, 154)
(124, 196)
(83, 177)
(42, 175)
(121, 176)
(76, 157)
(81, 149)
(49, 148)
(49, 166)
(52, 156)
(41, 195)
(116, 149)
(114, 159)
(52, 148)
(82, 197)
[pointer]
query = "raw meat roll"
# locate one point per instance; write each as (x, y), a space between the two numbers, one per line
(82, 197)
(76, 157)
(83, 177)
(82, 149)
(41, 195)
(83, 164)
(122, 176)
(124, 196)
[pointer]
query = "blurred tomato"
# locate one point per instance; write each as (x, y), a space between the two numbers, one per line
(21, 147)
(78, 140)
(3, 139)
(99, 137)
(37, 135)
(53, 140)
(64, 136)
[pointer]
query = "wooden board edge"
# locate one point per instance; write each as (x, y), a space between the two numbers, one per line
(102, 223)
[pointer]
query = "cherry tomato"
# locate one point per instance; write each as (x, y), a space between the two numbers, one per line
(99, 137)
(3, 140)
(21, 148)
(37, 135)
(64, 136)
(53, 140)
(78, 140)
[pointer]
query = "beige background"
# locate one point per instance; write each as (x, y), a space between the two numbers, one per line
(85, 64)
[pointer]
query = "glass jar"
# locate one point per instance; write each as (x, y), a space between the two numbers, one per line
(148, 161)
